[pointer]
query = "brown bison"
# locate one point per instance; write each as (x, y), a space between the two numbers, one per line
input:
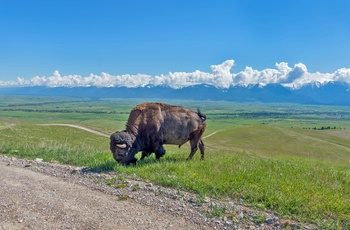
(151, 125)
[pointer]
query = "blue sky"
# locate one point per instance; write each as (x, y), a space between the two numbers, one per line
(80, 37)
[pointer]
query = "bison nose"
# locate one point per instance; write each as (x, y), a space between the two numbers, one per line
(119, 159)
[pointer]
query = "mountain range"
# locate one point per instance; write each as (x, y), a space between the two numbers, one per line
(331, 93)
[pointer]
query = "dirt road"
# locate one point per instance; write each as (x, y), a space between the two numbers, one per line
(32, 200)
(80, 127)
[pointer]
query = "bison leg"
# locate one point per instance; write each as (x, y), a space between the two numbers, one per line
(145, 154)
(194, 147)
(195, 143)
(159, 151)
(201, 148)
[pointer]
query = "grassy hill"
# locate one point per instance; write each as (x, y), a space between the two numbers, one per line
(276, 142)
(269, 156)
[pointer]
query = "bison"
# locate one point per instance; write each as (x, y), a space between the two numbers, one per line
(151, 125)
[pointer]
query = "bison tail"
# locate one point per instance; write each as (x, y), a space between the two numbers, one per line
(202, 116)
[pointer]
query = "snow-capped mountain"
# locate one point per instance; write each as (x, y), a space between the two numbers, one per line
(331, 93)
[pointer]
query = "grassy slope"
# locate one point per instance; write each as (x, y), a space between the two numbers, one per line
(267, 166)
(299, 173)
(282, 143)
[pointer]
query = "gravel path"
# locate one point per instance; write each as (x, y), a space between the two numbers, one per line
(34, 200)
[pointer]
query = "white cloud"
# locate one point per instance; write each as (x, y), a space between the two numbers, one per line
(220, 76)
(342, 75)
(296, 73)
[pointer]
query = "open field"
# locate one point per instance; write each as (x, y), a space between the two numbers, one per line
(292, 159)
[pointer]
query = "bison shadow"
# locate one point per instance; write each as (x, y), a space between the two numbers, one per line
(110, 165)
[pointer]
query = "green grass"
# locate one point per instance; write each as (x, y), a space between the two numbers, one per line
(269, 160)
(294, 188)
(62, 144)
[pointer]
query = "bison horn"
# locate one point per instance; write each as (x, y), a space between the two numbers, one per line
(122, 146)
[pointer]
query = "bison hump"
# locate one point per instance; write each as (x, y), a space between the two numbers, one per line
(149, 105)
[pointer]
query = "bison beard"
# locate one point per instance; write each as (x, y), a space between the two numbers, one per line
(150, 125)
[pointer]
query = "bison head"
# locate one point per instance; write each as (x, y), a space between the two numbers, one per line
(120, 145)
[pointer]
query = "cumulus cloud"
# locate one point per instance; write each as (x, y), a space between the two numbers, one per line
(220, 76)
